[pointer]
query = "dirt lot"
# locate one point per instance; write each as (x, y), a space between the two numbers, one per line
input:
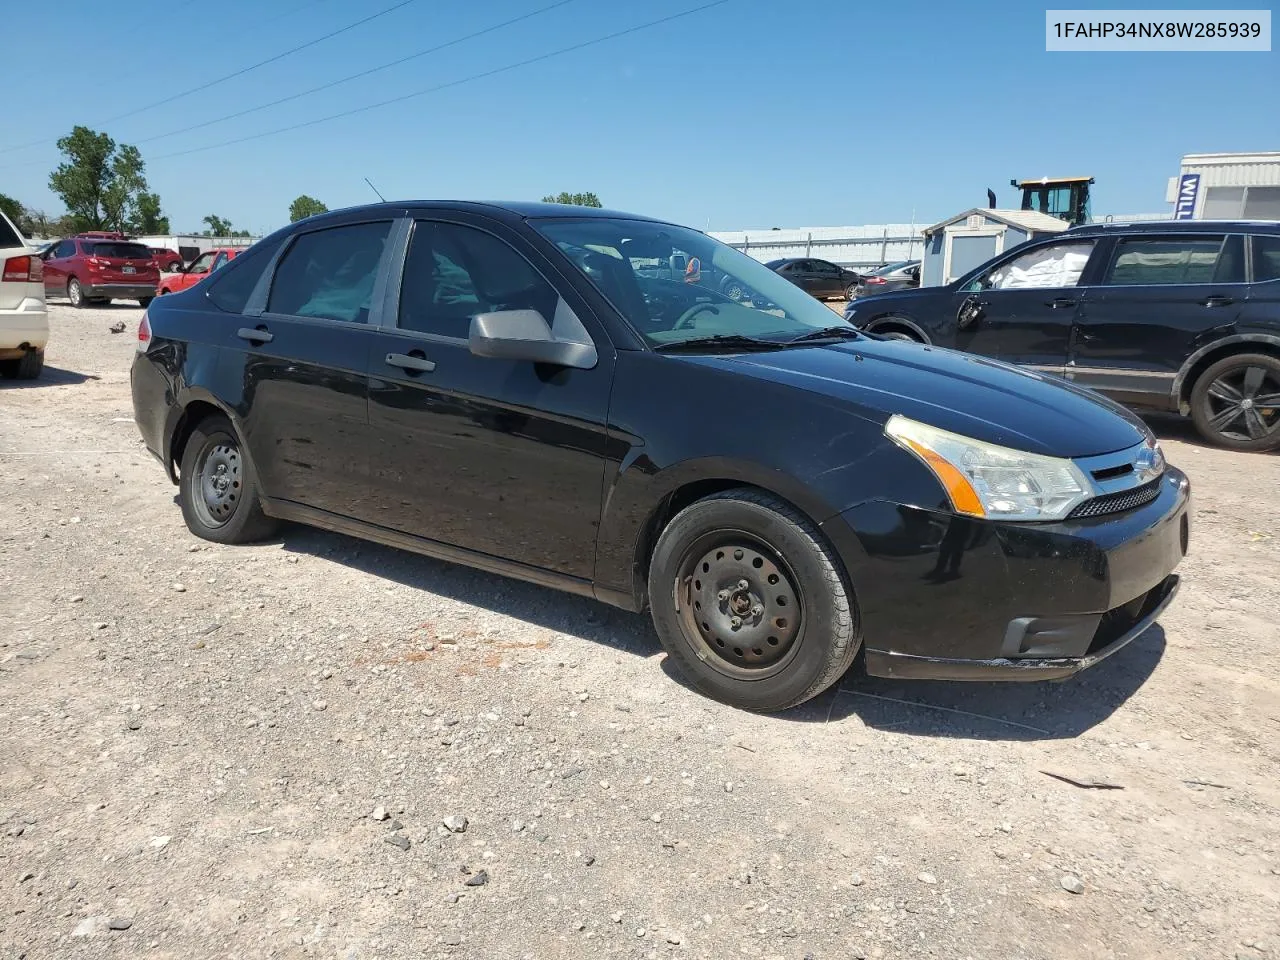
(241, 752)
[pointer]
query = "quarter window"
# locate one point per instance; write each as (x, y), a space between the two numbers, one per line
(1266, 258)
(1147, 261)
(329, 274)
(453, 272)
(1057, 265)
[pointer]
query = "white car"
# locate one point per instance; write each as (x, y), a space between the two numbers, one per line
(24, 319)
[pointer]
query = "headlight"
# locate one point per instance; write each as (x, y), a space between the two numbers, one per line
(985, 480)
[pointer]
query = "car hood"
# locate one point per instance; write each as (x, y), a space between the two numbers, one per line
(966, 394)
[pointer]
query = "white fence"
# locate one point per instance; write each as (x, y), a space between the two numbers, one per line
(865, 246)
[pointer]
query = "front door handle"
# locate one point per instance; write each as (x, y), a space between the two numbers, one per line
(255, 334)
(1060, 302)
(1217, 302)
(1086, 337)
(412, 364)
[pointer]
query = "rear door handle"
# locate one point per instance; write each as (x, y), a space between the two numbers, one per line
(412, 364)
(1217, 301)
(1062, 302)
(255, 335)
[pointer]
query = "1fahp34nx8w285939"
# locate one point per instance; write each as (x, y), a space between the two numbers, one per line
(551, 393)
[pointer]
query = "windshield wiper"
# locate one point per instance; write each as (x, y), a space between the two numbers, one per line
(728, 341)
(842, 332)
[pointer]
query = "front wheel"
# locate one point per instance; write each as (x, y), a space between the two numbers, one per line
(218, 488)
(1236, 402)
(750, 602)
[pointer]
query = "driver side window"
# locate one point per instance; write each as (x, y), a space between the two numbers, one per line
(202, 263)
(1057, 265)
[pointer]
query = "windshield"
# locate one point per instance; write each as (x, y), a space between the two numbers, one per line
(674, 284)
(122, 251)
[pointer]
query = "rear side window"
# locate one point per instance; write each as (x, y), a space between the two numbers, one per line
(120, 251)
(329, 274)
(1266, 258)
(231, 289)
(1162, 261)
(9, 237)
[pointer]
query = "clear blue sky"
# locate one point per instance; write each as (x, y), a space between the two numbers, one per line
(752, 114)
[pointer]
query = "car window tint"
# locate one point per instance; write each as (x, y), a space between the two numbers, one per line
(329, 273)
(121, 251)
(1057, 265)
(1266, 258)
(1164, 260)
(66, 248)
(9, 237)
(233, 286)
(453, 272)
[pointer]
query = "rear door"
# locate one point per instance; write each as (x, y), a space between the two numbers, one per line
(300, 351)
(828, 280)
(1022, 309)
(502, 457)
(1157, 299)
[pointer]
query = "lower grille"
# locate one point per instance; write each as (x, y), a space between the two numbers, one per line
(1117, 502)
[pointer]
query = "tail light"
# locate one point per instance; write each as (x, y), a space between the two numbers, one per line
(876, 280)
(96, 264)
(23, 270)
(144, 334)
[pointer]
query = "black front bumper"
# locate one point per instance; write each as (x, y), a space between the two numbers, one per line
(947, 597)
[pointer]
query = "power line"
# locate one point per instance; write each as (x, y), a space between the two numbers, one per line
(238, 73)
(444, 86)
(362, 73)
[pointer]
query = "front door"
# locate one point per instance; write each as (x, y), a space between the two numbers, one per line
(55, 267)
(1158, 299)
(304, 353)
(1023, 308)
(497, 456)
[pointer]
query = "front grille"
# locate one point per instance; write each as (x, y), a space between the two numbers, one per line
(1117, 502)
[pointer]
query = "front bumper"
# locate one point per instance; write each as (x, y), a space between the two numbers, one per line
(121, 291)
(947, 597)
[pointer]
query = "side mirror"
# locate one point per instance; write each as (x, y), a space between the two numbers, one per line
(524, 335)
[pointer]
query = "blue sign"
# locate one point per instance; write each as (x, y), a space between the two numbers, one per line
(1185, 203)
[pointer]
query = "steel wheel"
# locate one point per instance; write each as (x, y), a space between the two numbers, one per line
(218, 481)
(739, 606)
(75, 293)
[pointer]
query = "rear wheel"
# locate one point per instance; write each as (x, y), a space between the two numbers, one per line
(218, 488)
(145, 302)
(851, 291)
(25, 367)
(1236, 402)
(734, 290)
(749, 601)
(75, 293)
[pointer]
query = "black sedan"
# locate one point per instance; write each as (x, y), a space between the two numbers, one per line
(499, 386)
(818, 278)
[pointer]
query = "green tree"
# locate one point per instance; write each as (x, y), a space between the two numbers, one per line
(85, 175)
(126, 183)
(148, 219)
(304, 207)
(13, 210)
(578, 199)
(218, 227)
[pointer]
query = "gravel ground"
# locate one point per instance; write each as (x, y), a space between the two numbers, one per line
(318, 747)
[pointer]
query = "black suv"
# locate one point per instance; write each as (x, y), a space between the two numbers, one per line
(1165, 315)
(503, 386)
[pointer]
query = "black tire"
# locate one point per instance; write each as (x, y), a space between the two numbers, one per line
(791, 650)
(851, 292)
(75, 293)
(25, 367)
(145, 302)
(218, 488)
(1235, 403)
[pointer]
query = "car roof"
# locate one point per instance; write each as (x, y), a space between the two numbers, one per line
(499, 210)
(1180, 226)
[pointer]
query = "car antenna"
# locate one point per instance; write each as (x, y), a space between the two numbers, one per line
(375, 190)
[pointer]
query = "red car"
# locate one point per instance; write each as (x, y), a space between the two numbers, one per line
(200, 268)
(166, 259)
(89, 269)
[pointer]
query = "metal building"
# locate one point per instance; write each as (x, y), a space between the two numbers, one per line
(867, 246)
(1226, 186)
